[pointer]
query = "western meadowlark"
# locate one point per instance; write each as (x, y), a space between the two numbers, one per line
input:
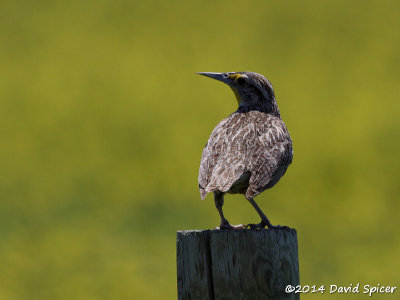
(249, 151)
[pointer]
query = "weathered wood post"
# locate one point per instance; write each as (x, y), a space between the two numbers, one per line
(237, 264)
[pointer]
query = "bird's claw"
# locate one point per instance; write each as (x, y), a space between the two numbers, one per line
(279, 227)
(262, 225)
(255, 226)
(229, 227)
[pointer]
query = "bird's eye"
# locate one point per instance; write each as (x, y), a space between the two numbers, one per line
(240, 81)
(225, 75)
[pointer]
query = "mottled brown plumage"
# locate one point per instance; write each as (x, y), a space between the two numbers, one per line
(249, 151)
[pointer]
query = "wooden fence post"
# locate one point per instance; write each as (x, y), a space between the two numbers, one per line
(237, 264)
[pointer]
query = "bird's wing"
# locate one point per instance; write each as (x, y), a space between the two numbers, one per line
(222, 162)
(270, 157)
(207, 163)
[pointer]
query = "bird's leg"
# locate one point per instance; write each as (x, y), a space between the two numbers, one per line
(264, 219)
(219, 201)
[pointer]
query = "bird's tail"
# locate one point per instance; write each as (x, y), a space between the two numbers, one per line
(203, 194)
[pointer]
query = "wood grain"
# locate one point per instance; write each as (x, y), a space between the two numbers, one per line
(237, 264)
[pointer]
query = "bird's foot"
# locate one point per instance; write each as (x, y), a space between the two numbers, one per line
(239, 226)
(227, 226)
(255, 226)
(263, 225)
(279, 227)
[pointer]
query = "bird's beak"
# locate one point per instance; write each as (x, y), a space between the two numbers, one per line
(218, 76)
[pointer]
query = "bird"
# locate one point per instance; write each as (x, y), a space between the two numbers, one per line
(250, 150)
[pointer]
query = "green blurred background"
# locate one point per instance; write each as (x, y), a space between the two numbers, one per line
(103, 121)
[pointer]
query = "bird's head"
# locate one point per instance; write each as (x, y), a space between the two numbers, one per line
(253, 91)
